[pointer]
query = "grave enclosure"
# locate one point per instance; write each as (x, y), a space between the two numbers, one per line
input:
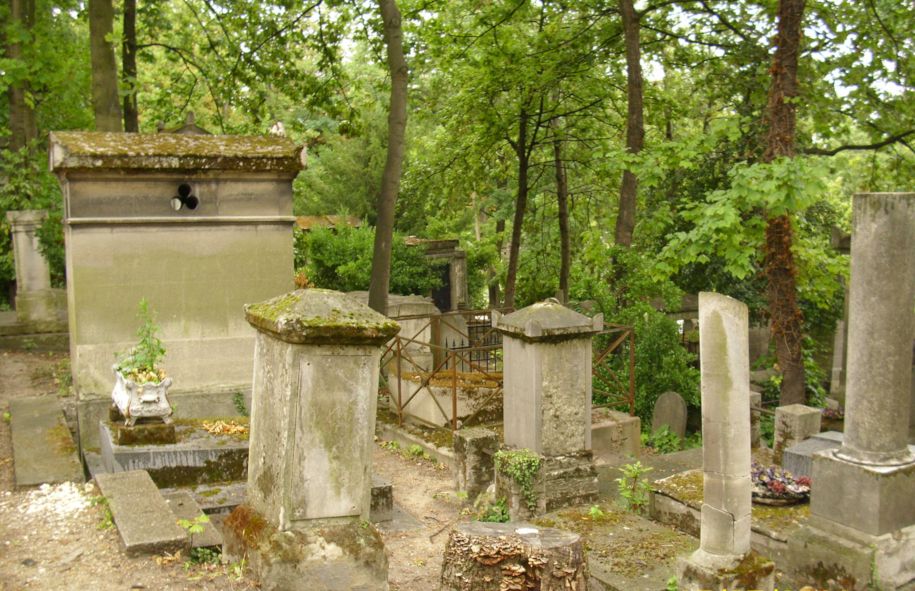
(198, 225)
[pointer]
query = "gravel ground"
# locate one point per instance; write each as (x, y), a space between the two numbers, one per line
(56, 537)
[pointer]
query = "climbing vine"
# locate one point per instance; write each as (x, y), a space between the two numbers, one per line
(522, 465)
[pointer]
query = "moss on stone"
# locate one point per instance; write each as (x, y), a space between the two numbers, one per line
(60, 439)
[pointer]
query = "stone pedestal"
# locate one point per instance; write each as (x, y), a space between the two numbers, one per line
(473, 460)
(305, 521)
(547, 404)
(724, 560)
(37, 305)
(863, 495)
(793, 424)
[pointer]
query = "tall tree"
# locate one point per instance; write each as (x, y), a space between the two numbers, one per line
(390, 180)
(105, 100)
(635, 132)
(23, 127)
(129, 65)
(781, 270)
(562, 200)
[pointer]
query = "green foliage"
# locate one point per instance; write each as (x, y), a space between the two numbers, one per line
(523, 466)
(107, 518)
(596, 513)
(633, 487)
(194, 526)
(205, 555)
(767, 428)
(662, 441)
(238, 400)
(7, 417)
(496, 513)
(672, 584)
(141, 362)
(341, 259)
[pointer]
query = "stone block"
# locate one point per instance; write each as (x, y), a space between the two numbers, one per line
(145, 523)
(703, 572)
(154, 433)
(794, 423)
(872, 499)
(474, 469)
(615, 435)
(670, 410)
(798, 459)
(382, 508)
(326, 557)
(562, 481)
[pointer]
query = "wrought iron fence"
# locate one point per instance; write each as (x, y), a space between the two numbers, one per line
(613, 368)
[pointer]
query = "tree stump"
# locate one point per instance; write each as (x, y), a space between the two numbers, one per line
(513, 557)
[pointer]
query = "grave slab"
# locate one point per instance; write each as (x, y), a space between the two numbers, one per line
(184, 506)
(43, 449)
(143, 518)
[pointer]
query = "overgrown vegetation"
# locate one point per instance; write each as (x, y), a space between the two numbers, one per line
(141, 362)
(522, 466)
(633, 487)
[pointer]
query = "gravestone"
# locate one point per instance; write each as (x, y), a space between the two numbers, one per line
(793, 424)
(670, 410)
(38, 306)
(305, 521)
(862, 505)
(198, 225)
(724, 559)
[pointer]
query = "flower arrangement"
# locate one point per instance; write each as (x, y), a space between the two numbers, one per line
(776, 483)
(835, 414)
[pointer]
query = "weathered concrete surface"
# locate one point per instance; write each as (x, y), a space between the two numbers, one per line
(670, 410)
(183, 506)
(793, 424)
(43, 449)
(798, 459)
(547, 378)
(143, 518)
(474, 469)
(562, 481)
(615, 436)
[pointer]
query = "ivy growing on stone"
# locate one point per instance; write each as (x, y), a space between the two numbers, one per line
(522, 465)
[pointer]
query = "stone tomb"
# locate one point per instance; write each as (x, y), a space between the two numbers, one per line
(305, 522)
(198, 225)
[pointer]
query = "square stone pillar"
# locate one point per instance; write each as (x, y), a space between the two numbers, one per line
(305, 521)
(863, 494)
(793, 424)
(724, 559)
(547, 399)
(36, 302)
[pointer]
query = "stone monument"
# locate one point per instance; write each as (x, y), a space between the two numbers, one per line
(38, 306)
(724, 559)
(305, 521)
(198, 225)
(547, 406)
(862, 526)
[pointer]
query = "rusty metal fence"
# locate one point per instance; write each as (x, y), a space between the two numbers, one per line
(613, 368)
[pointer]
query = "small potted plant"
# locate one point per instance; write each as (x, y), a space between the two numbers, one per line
(141, 386)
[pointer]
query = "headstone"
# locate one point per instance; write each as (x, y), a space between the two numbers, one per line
(670, 410)
(547, 406)
(317, 354)
(615, 436)
(37, 305)
(474, 448)
(198, 225)
(862, 502)
(794, 423)
(724, 559)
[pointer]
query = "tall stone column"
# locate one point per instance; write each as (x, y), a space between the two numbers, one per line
(724, 560)
(35, 301)
(863, 494)
(305, 521)
(547, 401)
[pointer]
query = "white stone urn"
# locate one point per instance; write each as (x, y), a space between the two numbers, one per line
(135, 401)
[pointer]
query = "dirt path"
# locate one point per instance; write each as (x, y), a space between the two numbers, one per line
(55, 539)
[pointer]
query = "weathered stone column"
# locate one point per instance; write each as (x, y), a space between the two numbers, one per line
(882, 293)
(862, 501)
(724, 560)
(35, 302)
(304, 524)
(547, 401)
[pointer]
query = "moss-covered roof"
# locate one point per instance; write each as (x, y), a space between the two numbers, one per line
(315, 316)
(169, 151)
(548, 320)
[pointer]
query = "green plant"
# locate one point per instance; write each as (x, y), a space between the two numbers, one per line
(63, 377)
(767, 428)
(201, 555)
(496, 513)
(522, 465)
(238, 400)
(205, 555)
(596, 513)
(7, 417)
(663, 441)
(141, 362)
(107, 521)
(672, 584)
(236, 570)
(633, 487)
(416, 450)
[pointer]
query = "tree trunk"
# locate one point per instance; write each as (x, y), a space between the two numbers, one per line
(493, 557)
(105, 101)
(781, 270)
(562, 198)
(635, 133)
(129, 59)
(390, 180)
(23, 126)
(514, 248)
(492, 275)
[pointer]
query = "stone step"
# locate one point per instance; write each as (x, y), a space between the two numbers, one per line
(144, 520)
(43, 448)
(183, 506)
